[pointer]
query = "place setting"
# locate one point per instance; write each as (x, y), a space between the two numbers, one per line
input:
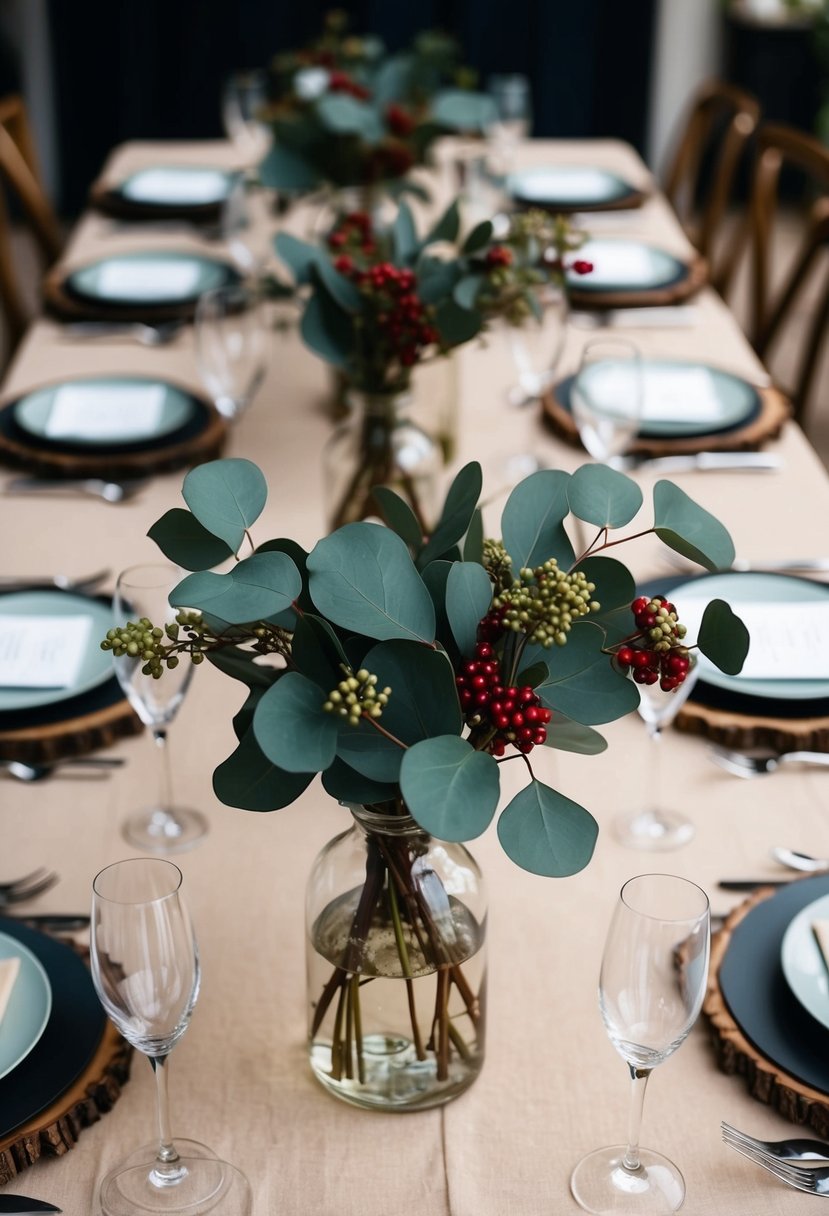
(572, 188)
(59, 695)
(109, 426)
(631, 408)
(166, 192)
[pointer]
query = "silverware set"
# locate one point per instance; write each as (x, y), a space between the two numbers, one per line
(758, 764)
(28, 887)
(95, 767)
(93, 487)
(800, 1163)
(160, 334)
(58, 582)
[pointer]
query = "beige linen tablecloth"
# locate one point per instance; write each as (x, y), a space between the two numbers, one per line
(553, 1087)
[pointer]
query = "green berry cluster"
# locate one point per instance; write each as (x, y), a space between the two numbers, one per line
(497, 563)
(143, 640)
(544, 602)
(357, 695)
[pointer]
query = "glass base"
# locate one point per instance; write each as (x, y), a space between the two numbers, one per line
(393, 1078)
(159, 830)
(602, 1184)
(195, 1186)
(656, 831)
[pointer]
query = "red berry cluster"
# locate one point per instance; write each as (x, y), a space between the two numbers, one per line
(665, 659)
(498, 255)
(341, 82)
(353, 231)
(400, 316)
(517, 713)
(580, 266)
(491, 626)
(400, 121)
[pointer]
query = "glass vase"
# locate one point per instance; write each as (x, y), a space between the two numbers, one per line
(396, 923)
(379, 444)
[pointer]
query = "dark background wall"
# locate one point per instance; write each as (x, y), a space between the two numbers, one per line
(154, 69)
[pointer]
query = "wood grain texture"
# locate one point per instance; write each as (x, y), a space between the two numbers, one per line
(56, 1130)
(775, 409)
(75, 736)
(737, 1056)
(743, 731)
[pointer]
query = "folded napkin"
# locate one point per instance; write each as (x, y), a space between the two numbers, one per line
(9, 968)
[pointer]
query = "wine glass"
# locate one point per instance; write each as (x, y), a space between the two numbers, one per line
(231, 346)
(606, 397)
(656, 828)
(244, 102)
(536, 344)
(652, 984)
(512, 115)
(145, 968)
(143, 591)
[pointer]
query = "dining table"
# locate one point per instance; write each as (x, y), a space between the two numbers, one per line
(552, 1087)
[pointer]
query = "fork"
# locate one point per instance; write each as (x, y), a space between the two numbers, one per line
(61, 582)
(21, 892)
(802, 1178)
(109, 491)
(743, 765)
(801, 1149)
(12, 883)
(147, 335)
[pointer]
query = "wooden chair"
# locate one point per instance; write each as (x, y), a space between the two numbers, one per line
(790, 300)
(701, 176)
(20, 174)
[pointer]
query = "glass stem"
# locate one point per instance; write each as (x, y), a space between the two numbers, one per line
(167, 1153)
(655, 771)
(165, 784)
(639, 1080)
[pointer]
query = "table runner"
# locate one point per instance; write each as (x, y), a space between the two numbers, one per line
(552, 1087)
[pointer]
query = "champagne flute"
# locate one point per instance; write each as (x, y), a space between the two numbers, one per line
(244, 101)
(145, 968)
(652, 984)
(231, 346)
(512, 115)
(536, 344)
(143, 591)
(606, 397)
(246, 228)
(655, 827)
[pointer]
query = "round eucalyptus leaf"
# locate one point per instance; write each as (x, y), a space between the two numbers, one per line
(602, 496)
(546, 833)
(532, 523)
(424, 697)
(468, 598)
(346, 115)
(327, 330)
(258, 587)
(185, 541)
(689, 529)
(292, 728)
(565, 735)
(226, 497)
(300, 256)
(582, 683)
(723, 638)
(451, 789)
(345, 784)
(248, 780)
(458, 511)
(362, 578)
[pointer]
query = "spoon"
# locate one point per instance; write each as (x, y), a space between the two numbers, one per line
(61, 582)
(800, 861)
(109, 491)
(96, 766)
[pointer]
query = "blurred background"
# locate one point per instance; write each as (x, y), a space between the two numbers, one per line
(98, 73)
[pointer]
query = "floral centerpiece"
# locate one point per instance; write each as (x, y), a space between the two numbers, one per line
(346, 114)
(407, 670)
(379, 304)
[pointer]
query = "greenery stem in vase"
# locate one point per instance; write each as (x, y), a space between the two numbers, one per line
(406, 668)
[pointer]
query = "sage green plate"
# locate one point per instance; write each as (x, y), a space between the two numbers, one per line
(32, 412)
(802, 961)
(96, 666)
(30, 1004)
(570, 186)
(650, 267)
(736, 587)
(151, 278)
(177, 186)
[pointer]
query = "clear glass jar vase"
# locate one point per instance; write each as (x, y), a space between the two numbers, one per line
(396, 924)
(378, 444)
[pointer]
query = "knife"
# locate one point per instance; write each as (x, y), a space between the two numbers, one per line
(59, 922)
(670, 316)
(756, 462)
(752, 884)
(21, 1203)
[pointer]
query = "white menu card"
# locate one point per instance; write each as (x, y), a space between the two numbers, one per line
(177, 186)
(98, 412)
(150, 279)
(787, 640)
(42, 651)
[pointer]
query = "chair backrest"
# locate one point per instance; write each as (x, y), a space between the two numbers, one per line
(20, 174)
(793, 299)
(701, 177)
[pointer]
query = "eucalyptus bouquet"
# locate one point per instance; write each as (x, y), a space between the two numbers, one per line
(346, 114)
(407, 669)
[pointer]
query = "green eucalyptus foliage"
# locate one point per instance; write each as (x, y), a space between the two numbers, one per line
(380, 608)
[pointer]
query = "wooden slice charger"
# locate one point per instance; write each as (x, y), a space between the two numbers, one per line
(775, 409)
(627, 202)
(650, 297)
(736, 1055)
(56, 1130)
(745, 731)
(76, 735)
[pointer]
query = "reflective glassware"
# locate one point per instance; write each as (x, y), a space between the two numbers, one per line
(606, 397)
(231, 346)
